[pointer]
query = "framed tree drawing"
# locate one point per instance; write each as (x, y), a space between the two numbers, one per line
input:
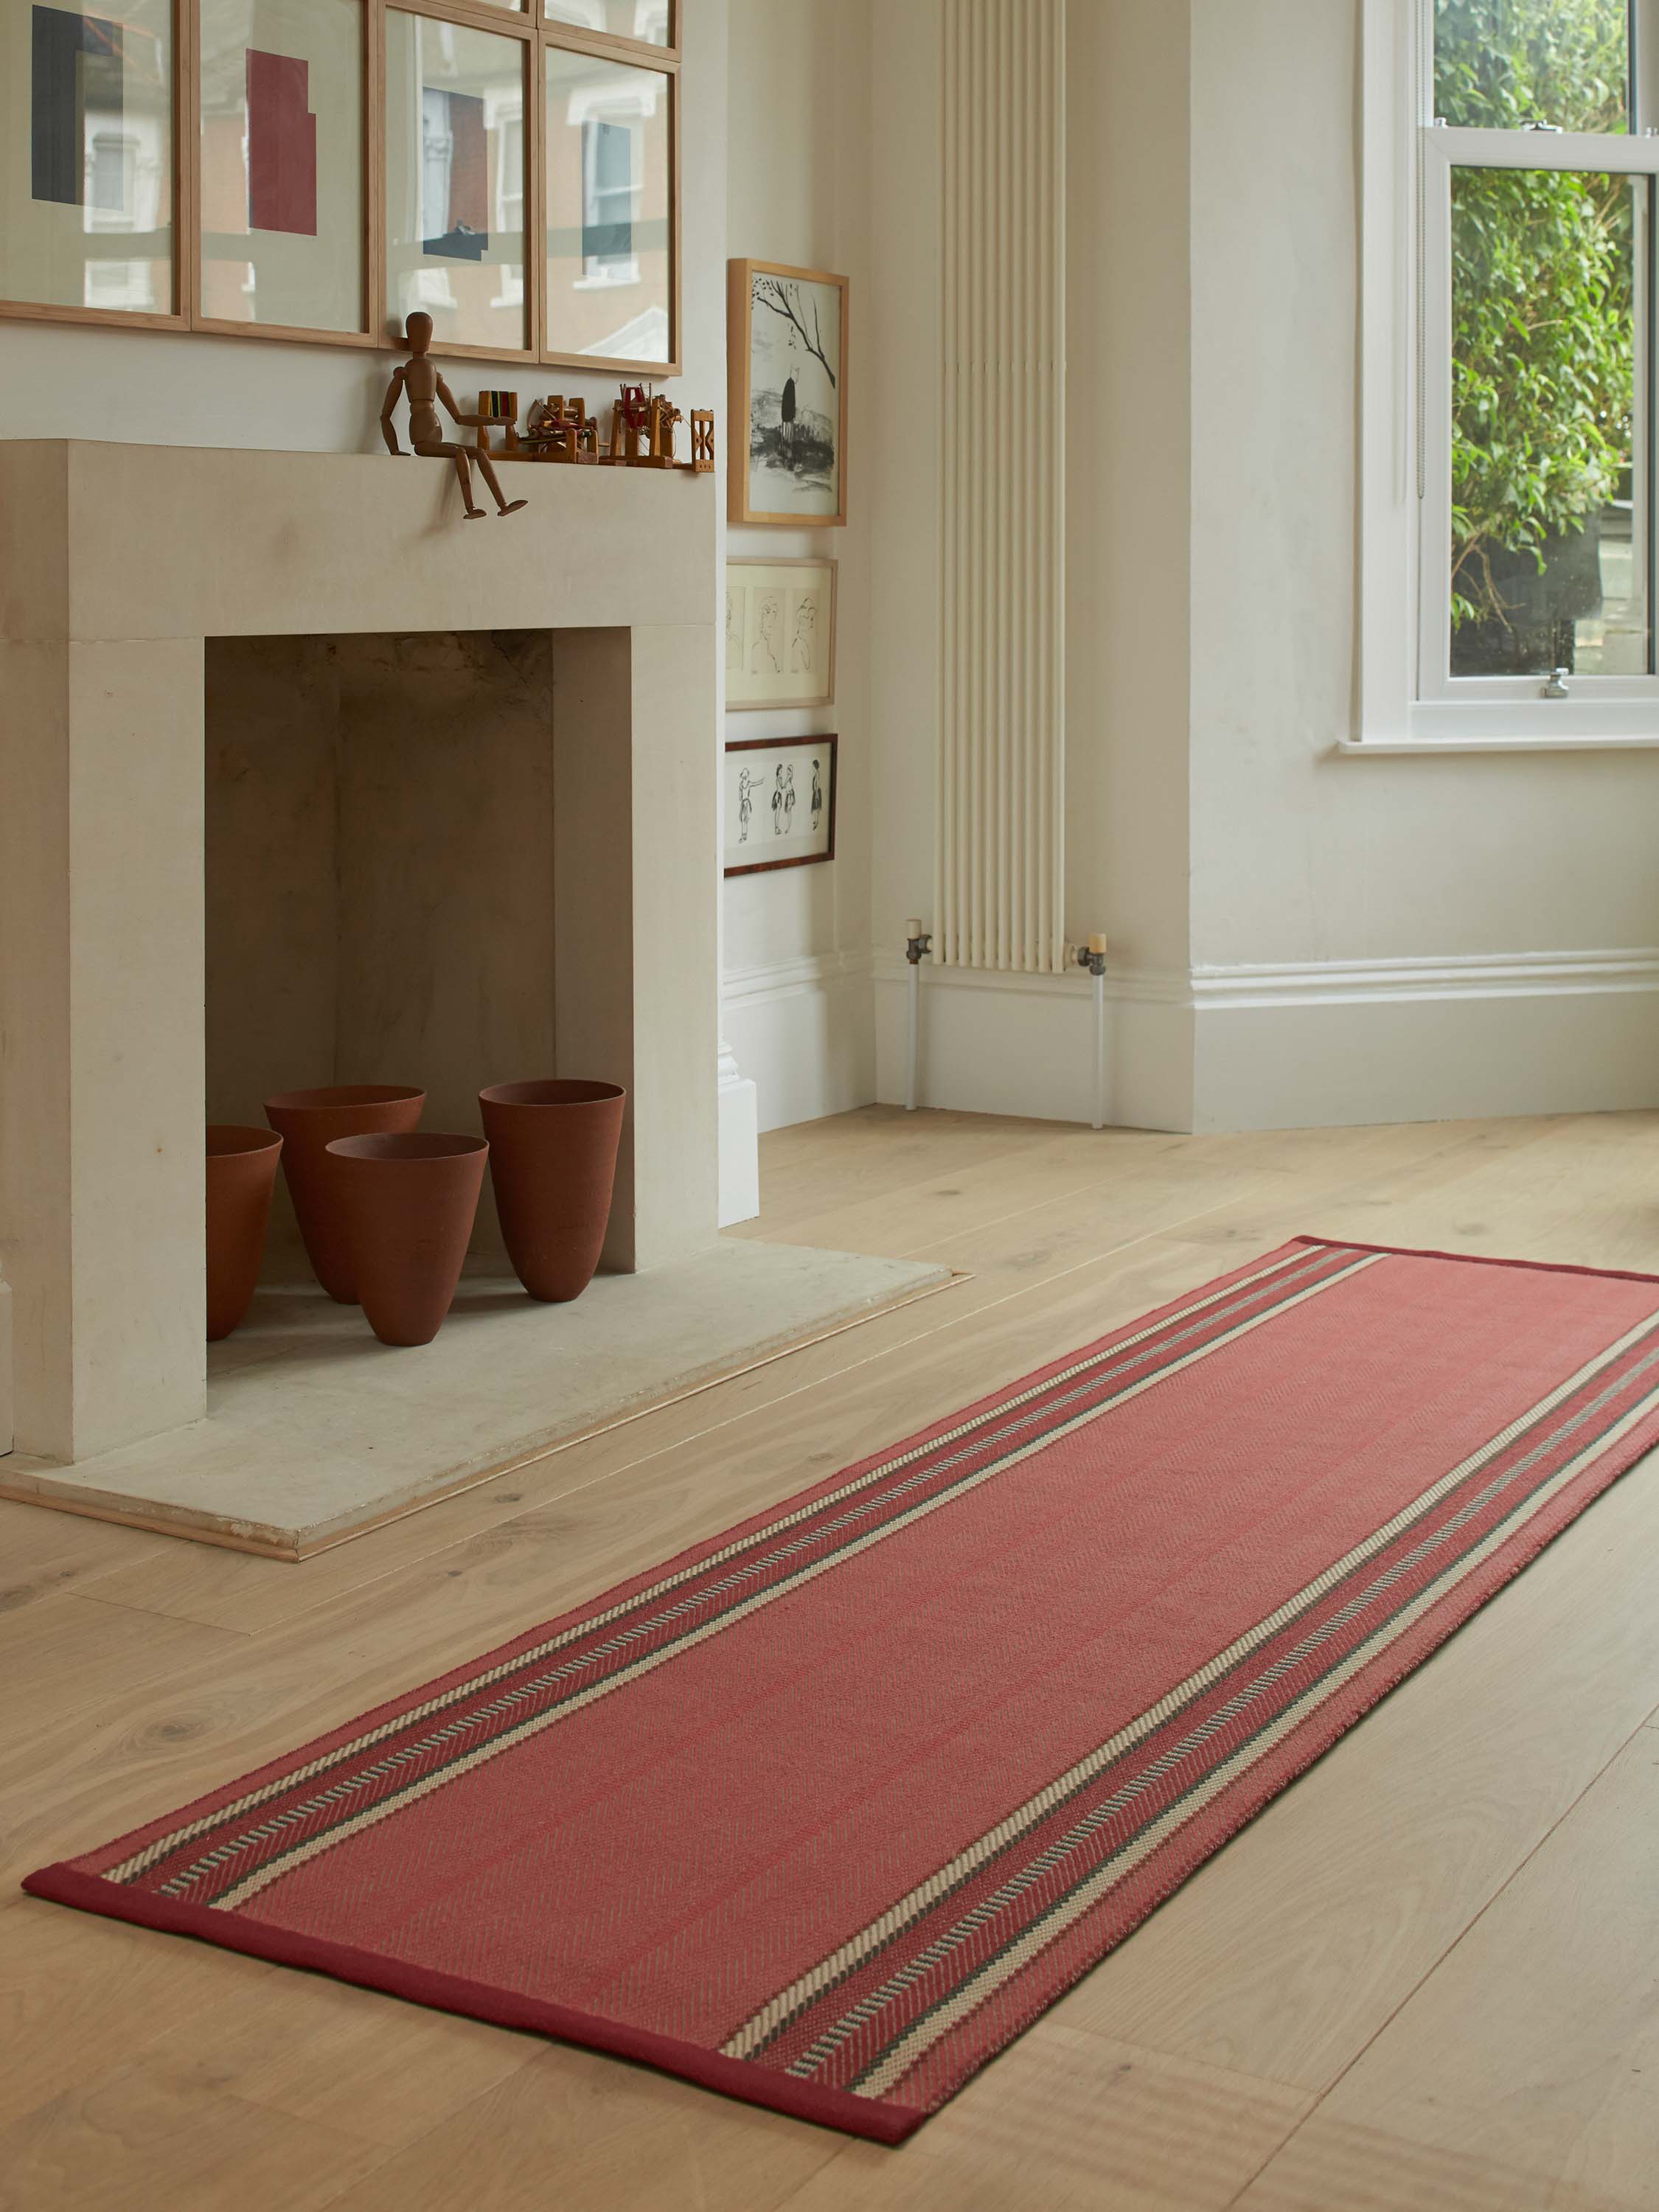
(780, 804)
(787, 346)
(780, 634)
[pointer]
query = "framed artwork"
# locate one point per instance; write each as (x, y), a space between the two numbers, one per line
(611, 146)
(780, 804)
(455, 213)
(786, 335)
(318, 169)
(90, 163)
(647, 22)
(780, 634)
(280, 166)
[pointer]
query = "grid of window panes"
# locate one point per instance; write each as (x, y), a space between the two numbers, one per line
(1551, 304)
(280, 106)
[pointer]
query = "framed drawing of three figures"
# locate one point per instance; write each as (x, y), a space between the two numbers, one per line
(780, 804)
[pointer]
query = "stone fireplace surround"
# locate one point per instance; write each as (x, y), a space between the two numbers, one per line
(117, 564)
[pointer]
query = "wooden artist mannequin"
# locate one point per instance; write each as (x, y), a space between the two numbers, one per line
(419, 381)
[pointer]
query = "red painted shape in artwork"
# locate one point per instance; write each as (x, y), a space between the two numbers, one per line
(281, 144)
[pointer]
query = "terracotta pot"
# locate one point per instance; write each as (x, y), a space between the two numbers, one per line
(406, 1205)
(309, 1121)
(242, 1174)
(553, 1161)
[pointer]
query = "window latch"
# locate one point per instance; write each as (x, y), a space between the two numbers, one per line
(1556, 688)
(1556, 127)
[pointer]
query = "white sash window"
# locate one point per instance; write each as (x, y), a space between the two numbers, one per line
(1508, 294)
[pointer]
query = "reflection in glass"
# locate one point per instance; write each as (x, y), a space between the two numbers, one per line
(644, 20)
(608, 197)
(87, 110)
(454, 180)
(1550, 513)
(282, 162)
(1502, 64)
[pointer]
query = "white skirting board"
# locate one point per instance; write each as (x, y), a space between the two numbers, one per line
(1003, 1043)
(1290, 1046)
(802, 1032)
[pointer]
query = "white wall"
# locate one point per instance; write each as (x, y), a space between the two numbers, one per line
(1298, 938)
(796, 1008)
(1318, 864)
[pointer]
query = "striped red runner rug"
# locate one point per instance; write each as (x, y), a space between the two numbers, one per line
(825, 1811)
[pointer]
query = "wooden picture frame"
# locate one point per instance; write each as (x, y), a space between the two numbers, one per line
(378, 331)
(766, 807)
(769, 420)
(802, 633)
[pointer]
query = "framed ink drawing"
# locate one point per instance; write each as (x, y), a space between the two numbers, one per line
(780, 804)
(780, 634)
(786, 335)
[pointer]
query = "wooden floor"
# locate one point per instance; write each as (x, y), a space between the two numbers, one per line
(1426, 1980)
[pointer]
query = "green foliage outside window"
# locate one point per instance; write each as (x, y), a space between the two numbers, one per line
(1542, 286)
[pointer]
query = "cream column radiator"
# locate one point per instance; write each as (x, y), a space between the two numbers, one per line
(1002, 506)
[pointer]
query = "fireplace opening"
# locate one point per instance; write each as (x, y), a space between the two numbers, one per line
(379, 891)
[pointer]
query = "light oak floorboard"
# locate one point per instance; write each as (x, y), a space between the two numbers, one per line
(59, 1656)
(1064, 2120)
(1534, 2049)
(1211, 2060)
(81, 1996)
(584, 2133)
(1331, 2167)
(42, 1554)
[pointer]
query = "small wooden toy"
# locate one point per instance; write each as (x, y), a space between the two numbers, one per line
(703, 440)
(501, 407)
(630, 424)
(663, 417)
(419, 382)
(560, 429)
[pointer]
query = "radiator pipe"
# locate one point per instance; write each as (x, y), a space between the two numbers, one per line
(916, 942)
(1093, 958)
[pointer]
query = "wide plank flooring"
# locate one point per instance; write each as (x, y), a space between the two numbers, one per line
(1427, 1979)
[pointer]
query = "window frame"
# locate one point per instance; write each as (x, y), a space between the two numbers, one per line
(537, 32)
(1404, 703)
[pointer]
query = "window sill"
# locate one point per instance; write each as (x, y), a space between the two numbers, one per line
(1355, 747)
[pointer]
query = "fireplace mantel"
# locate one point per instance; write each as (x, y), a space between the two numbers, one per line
(116, 562)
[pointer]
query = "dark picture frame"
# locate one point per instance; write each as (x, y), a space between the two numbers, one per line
(765, 807)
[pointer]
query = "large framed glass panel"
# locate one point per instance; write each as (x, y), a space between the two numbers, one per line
(280, 176)
(610, 197)
(1551, 449)
(455, 180)
(86, 156)
(650, 22)
(1516, 64)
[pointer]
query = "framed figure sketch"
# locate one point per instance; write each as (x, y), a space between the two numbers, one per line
(780, 804)
(786, 335)
(780, 634)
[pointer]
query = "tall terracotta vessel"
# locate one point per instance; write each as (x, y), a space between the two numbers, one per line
(309, 1121)
(242, 1174)
(553, 1161)
(406, 1204)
